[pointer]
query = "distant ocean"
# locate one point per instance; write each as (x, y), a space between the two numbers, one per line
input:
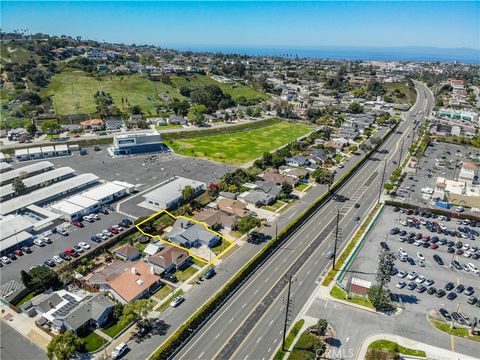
(462, 55)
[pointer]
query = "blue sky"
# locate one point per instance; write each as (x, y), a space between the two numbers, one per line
(254, 24)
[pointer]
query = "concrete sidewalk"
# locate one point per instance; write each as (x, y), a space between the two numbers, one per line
(432, 352)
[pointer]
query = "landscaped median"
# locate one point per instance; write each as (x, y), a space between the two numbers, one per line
(340, 294)
(189, 327)
(455, 331)
(385, 349)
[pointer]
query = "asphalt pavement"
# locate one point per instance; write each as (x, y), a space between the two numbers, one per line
(249, 325)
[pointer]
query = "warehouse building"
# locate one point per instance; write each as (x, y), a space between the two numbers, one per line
(169, 195)
(137, 143)
(36, 153)
(37, 181)
(48, 193)
(26, 171)
(4, 167)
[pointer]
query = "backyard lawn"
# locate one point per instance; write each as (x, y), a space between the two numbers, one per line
(240, 147)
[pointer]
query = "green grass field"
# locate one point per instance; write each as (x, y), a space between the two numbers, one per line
(393, 349)
(73, 91)
(235, 90)
(15, 54)
(410, 95)
(240, 147)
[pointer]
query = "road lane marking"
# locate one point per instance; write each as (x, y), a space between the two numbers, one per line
(259, 339)
(201, 355)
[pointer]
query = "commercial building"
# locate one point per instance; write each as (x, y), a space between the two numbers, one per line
(169, 195)
(26, 171)
(48, 193)
(37, 181)
(137, 143)
(41, 152)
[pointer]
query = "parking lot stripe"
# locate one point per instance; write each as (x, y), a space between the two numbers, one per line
(453, 343)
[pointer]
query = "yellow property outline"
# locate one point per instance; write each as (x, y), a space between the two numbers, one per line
(181, 247)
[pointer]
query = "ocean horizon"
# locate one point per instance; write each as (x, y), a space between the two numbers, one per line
(430, 54)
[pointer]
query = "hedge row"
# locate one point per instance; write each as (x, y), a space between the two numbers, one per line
(220, 130)
(183, 333)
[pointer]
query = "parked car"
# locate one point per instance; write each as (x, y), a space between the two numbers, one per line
(438, 259)
(26, 250)
(47, 240)
(449, 286)
(78, 248)
(170, 277)
(6, 260)
(469, 291)
(96, 239)
(61, 231)
(119, 351)
(210, 273)
(65, 256)
(431, 290)
(440, 293)
(12, 256)
(451, 296)
(39, 242)
(411, 285)
(84, 245)
(50, 263)
(113, 230)
(57, 259)
(177, 301)
(445, 314)
(401, 284)
(77, 224)
(18, 252)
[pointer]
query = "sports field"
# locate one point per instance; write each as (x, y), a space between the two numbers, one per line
(240, 147)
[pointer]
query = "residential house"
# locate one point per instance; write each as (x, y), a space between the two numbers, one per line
(176, 120)
(93, 124)
(269, 187)
(232, 207)
(468, 173)
(187, 233)
(63, 310)
(317, 156)
(168, 259)
(297, 160)
(213, 217)
(276, 178)
(127, 252)
(126, 281)
(256, 198)
(296, 173)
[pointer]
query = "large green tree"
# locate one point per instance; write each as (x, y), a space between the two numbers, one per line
(19, 187)
(63, 346)
(196, 114)
(49, 126)
(187, 193)
(136, 311)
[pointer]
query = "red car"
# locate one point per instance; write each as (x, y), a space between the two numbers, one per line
(18, 252)
(70, 251)
(77, 224)
(112, 230)
(434, 246)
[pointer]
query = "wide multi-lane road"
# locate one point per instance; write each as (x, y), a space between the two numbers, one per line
(250, 324)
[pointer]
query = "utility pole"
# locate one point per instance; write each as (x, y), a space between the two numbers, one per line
(336, 238)
(381, 182)
(287, 312)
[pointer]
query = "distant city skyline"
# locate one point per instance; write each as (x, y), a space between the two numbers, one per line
(291, 25)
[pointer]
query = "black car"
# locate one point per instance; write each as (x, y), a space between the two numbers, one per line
(144, 330)
(394, 231)
(210, 273)
(451, 296)
(384, 246)
(65, 256)
(49, 262)
(396, 209)
(170, 277)
(96, 239)
(411, 285)
(449, 286)
(459, 252)
(459, 288)
(472, 300)
(451, 250)
(12, 256)
(438, 259)
(26, 250)
(456, 265)
(440, 293)
(426, 244)
(445, 314)
(431, 290)
(421, 288)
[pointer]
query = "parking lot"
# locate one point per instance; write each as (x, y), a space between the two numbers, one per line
(440, 160)
(59, 244)
(366, 263)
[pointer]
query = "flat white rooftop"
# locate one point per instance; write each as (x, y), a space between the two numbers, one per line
(103, 191)
(66, 207)
(38, 166)
(49, 192)
(82, 201)
(39, 179)
(172, 190)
